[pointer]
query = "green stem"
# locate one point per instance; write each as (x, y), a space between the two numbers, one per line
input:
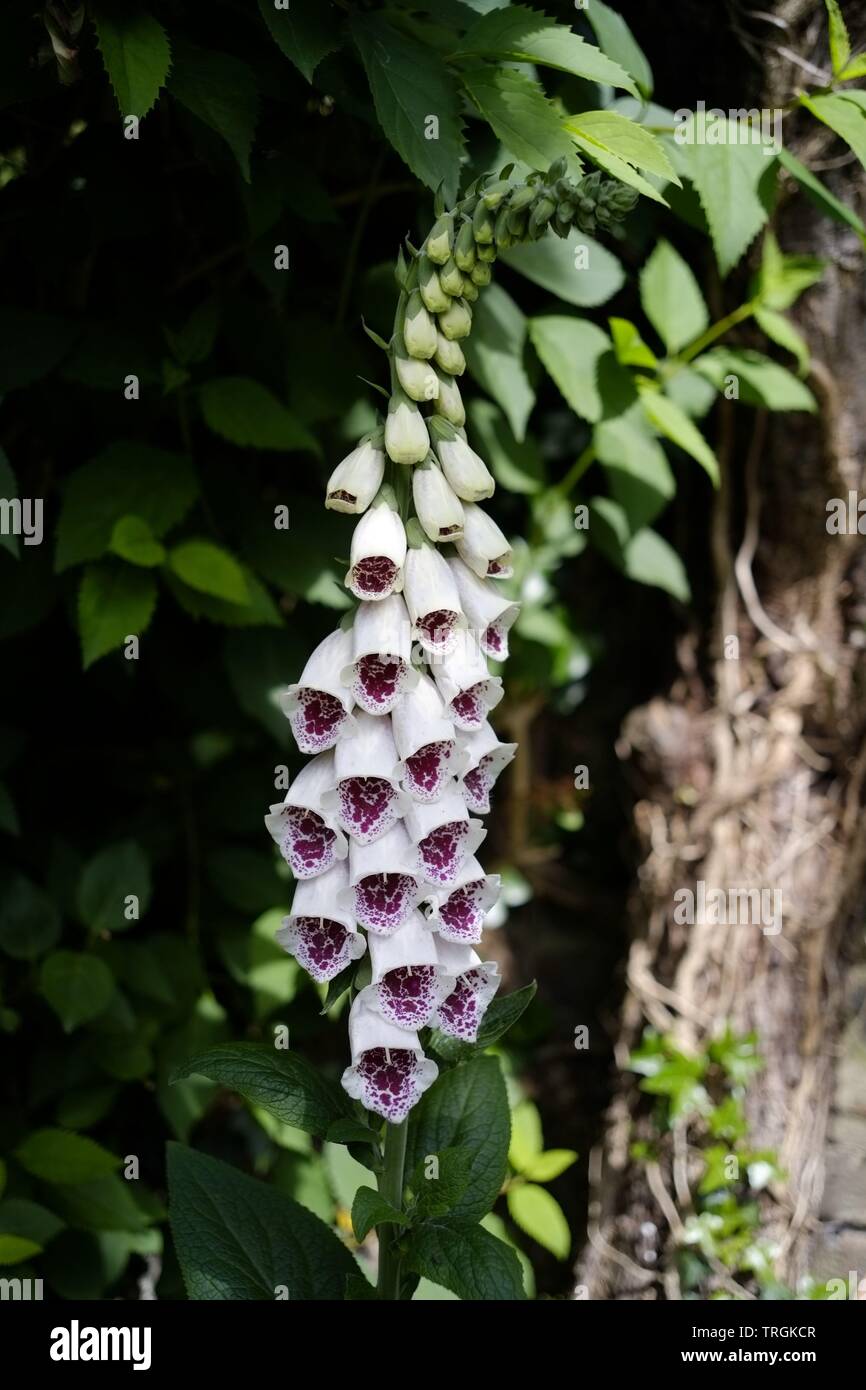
(745, 311)
(577, 469)
(391, 1189)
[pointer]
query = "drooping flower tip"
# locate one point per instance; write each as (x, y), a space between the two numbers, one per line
(389, 1072)
(377, 554)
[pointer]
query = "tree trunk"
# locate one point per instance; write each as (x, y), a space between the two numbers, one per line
(750, 773)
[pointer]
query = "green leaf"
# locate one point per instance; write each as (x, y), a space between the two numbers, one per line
(840, 44)
(410, 83)
(550, 1164)
(221, 91)
(258, 611)
(237, 1238)
(519, 35)
(494, 355)
(735, 184)
(29, 920)
(126, 479)
(856, 68)
(671, 298)
(667, 417)
(629, 346)
(21, 1217)
(369, 1210)
(527, 1139)
(210, 570)
(439, 1193)
(503, 1013)
(114, 874)
(14, 1250)
(517, 466)
(77, 986)
(820, 195)
(245, 413)
(466, 1108)
(539, 1214)
(624, 139)
(305, 31)
(55, 1156)
(571, 350)
(103, 1204)
(133, 540)
(467, 1260)
(781, 331)
(282, 1083)
(782, 279)
(643, 556)
(136, 54)
(637, 468)
(575, 268)
(844, 115)
(761, 380)
(618, 42)
(520, 115)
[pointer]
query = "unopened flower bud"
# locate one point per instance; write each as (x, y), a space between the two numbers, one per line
(456, 322)
(432, 292)
(439, 509)
(449, 356)
(464, 247)
(449, 401)
(419, 328)
(439, 242)
(406, 437)
(481, 275)
(464, 469)
(417, 376)
(356, 479)
(483, 547)
(470, 289)
(451, 279)
(482, 224)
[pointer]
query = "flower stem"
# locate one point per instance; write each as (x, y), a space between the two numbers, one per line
(745, 311)
(391, 1189)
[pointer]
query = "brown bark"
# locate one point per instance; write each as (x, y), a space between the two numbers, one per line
(752, 775)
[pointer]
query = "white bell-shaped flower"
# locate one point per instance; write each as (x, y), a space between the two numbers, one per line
(439, 509)
(444, 836)
(457, 912)
(482, 546)
(377, 554)
(490, 615)
(357, 478)
(389, 1072)
(380, 667)
(306, 831)
(321, 935)
(431, 595)
(460, 1015)
(465, 470)
(318, 706)
(408, 984)
(384, 886)
(430, 754)
(465, 684)
(367, 798)
(406, 437)
(487, 757)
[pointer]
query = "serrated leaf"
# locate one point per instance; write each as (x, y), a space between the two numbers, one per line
(107, 880)
(78, 987)
(618, 42)
(624, 139)
(820, 195)
(520, 35)
(467, 1260)
(571, 349)
(494, 355)
(133, 540)
(466, 1108)
(306, 31)
(282, 1083)
(114, 602)
(210, 570)
(527, 1140)
(246, 413)
(21, 1217)
(550, 1164)
(539, 1214)
(29, 919)
(517, 466)
(629, 346)
(782, 332)
(221, 91)
(258, 611)
(369, 1210)
(761, 381)
(783, 278)
(840, 44)
(668, 419)
(410, 83)
(636, 465)
(671, 298)
(438, 1189)
(237, 1238)
(136, 54)
(520, 115)
(575, 268)
(735, 184)
(56, 1156)
(844, 115)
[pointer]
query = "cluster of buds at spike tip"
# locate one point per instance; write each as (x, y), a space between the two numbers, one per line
(382, 826)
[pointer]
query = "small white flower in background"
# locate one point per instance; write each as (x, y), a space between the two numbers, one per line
(406, 437)
(389, 1072)
(356, 480)
(460, 1015)
(419, 328)
(380, 668)
(487, 758)
(377, 553)
(367, 797)
(465, 683)
(490, 615)
(439, 509)
(465, 470)
(482, 546)
(384, 886)
(318, 932)
(307, 833)
(318, 706)
(444, 836)
(431, 595)
(426, 742)
(408, 983)
(457, 912)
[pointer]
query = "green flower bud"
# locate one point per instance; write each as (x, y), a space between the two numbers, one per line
(470, 290)
(492, 196)
(501, 234)
(482, 274)
(449, 356)
(439, 242)
(516, 222)
(419, 328)
(416, 376)
(540, 216)
(522, 197)
(482, 225)
(450, 278)
(456, 322)
(557, 169)
(487, 253)
(449, 401)
(430, 287)
(464, 247)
